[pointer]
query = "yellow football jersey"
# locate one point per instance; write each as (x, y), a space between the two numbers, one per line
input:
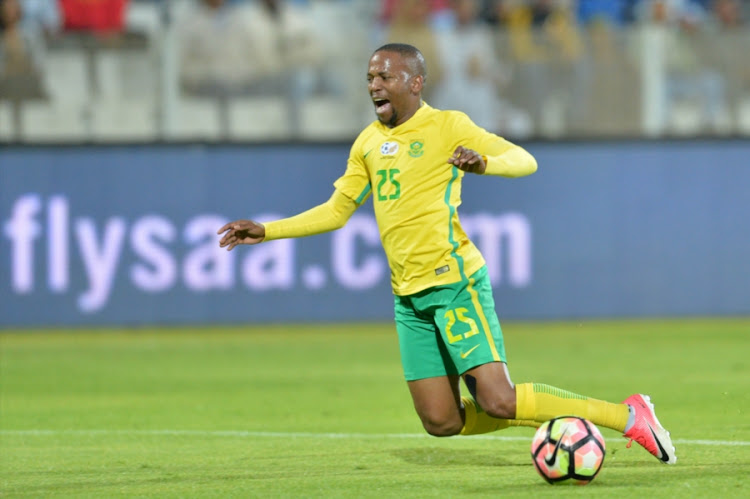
(416, 193)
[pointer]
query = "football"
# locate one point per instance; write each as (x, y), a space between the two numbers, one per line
(568, 449)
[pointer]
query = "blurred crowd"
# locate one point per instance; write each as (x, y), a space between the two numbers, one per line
(519, 67)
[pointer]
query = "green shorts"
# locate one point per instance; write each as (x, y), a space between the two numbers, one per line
(447, 330)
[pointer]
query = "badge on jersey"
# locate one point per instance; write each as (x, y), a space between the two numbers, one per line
(416, 148)
(389, 148)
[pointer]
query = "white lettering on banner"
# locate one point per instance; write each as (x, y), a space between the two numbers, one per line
(100, 259)
(158, 270)
(495, 233)
(207, 266)
(22, 229)
(57, 248)
(159, 261)
(269, 266)
(314, 277)
(343, 254)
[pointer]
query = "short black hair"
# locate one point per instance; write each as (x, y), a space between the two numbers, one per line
(416, 59)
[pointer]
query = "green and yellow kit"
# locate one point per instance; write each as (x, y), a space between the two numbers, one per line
(416, 194)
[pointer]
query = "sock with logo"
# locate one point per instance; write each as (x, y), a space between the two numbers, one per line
(541, 403)
(477, 421)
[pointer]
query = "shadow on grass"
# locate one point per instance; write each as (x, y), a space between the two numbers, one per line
(94, 486)
(616, 478)
(430, 456)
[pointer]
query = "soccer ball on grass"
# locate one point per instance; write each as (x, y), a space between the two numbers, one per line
(568, 449)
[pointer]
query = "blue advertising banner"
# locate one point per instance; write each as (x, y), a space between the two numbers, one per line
(126, 235)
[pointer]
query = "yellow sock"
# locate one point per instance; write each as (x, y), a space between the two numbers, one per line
(477, 421)
(543, 402)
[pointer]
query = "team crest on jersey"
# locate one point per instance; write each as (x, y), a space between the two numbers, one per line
(389, 148)
(416, 148)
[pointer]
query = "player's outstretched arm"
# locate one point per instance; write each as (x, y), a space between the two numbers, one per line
(513, 162)
(241, 232)
(331, 215)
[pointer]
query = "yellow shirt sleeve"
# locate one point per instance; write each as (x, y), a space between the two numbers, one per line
(515, 162)
(501, 156)
(351, 190)
(355, 182)
(331, 215)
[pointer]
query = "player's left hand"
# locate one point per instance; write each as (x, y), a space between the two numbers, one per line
(241, 232)
(467, 160)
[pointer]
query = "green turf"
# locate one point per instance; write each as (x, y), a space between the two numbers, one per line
(322, 411)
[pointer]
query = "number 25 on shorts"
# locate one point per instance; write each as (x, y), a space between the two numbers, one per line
(459, 315)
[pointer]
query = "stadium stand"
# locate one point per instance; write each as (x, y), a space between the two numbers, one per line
(258, 118)
(619, 87)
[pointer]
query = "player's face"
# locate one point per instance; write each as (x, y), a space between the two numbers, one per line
(393, 87)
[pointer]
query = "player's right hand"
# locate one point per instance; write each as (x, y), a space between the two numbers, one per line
(241, 232)
(467, 160)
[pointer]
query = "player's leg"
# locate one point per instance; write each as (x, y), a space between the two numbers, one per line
(464, 339)
(431, 376)
(444, 412)
(438, 404)
(635, 417)
(475, 342)
(473, 338)
(502, 398)
(492, 388)
(538, 402)
(499, 398)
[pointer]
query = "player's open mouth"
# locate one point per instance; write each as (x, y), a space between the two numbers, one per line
(382, 105)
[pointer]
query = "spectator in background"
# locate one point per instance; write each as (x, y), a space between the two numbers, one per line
(611, 11)
(285, 31)
(473, 84)
(689, 77)
(440, 12)
(216, 49)
(411, 23)
(98, 16)
(20, 71)
(728, 14)
(602, 19)
(42, 17)
(613, 76)
(526, 52)
(547, 50)
(570, 63)
(726, 33)
(247, 49)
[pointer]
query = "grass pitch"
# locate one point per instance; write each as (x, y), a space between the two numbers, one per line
(323, 411)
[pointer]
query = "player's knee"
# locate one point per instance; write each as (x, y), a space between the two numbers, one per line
(503, 407)
(442, 428)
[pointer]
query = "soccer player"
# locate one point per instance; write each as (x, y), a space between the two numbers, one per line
(411, 160)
